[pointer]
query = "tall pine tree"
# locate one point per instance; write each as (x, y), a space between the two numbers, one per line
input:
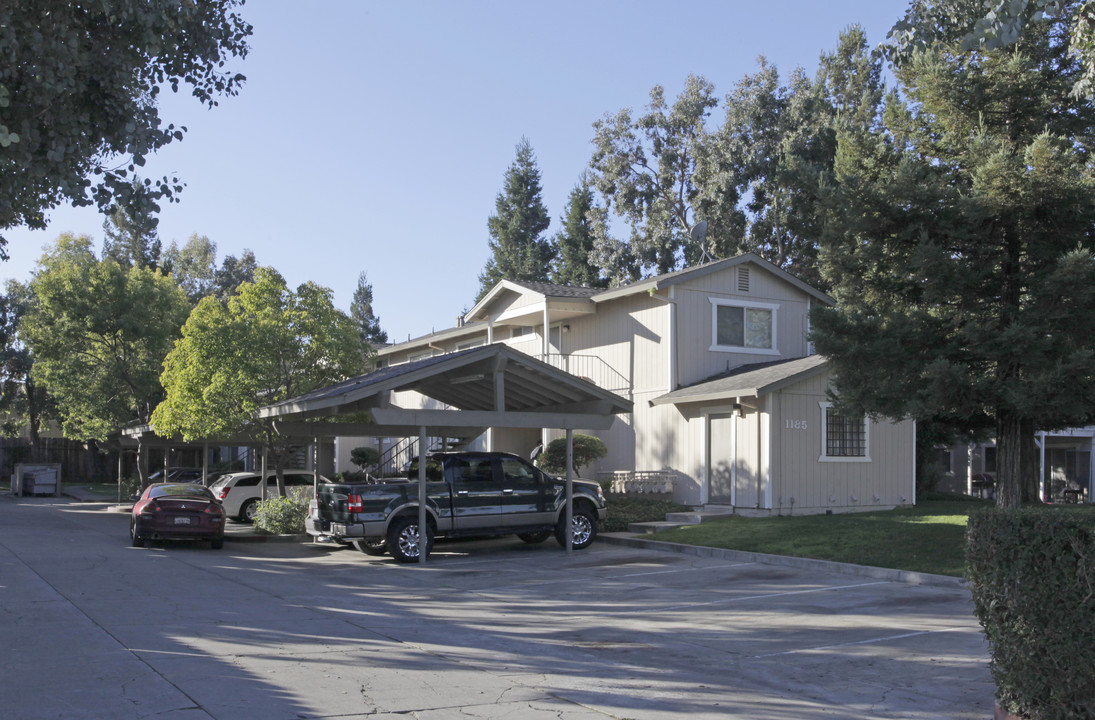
(361, 312)
(519, 250)
(958, 241)
(575, 243)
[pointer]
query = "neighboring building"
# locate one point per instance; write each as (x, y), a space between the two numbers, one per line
(729, 401)
(1065, 459)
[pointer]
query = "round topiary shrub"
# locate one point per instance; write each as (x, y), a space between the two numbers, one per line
(587, 448)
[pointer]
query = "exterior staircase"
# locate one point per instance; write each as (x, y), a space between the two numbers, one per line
(680, 519)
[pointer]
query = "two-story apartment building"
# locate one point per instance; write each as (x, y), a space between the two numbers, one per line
(728, 399)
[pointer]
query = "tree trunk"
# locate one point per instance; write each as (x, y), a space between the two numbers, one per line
(1031, 467)
(1009, 466)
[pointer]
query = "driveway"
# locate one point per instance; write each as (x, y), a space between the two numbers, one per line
(92, 628)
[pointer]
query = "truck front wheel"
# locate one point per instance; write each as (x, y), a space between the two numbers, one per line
(403, 539)
(583, 529)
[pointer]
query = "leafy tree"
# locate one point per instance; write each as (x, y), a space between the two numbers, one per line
(663, 173)
(130, 237)
(79, 90)
(518, 249)
(266, 344)
(233, 273)
(193, 266)
(361, 311)
(780, 141)
(991, 25)
(958, 240)
(99, 332)
(576, 242)
(22, 401)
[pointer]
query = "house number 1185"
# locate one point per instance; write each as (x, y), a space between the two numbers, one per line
(794, 424)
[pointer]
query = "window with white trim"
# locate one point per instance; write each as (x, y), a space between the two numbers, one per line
(748, 327)
(844, 438)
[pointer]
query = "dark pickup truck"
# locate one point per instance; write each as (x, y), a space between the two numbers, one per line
(468, 494)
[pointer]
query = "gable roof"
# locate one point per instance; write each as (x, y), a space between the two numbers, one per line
(678, 276)
(578, 296)
(489, 385)
(755, 380)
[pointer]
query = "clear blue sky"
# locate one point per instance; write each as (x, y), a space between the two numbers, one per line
(373, 136)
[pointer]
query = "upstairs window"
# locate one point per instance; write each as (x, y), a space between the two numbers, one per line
(843, 437)
(743, 327)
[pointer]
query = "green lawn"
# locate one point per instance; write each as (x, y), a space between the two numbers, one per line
(930, 537)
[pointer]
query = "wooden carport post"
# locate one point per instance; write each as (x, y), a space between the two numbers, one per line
(422, 539)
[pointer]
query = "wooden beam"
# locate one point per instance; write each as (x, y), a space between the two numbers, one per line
(447, 419)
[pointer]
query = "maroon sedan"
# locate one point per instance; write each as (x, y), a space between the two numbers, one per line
(177, 511)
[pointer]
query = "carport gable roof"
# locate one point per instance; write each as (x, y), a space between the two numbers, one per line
(754, 380)
(492, 385)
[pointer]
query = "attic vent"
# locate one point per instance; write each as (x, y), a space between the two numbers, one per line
(743, 279)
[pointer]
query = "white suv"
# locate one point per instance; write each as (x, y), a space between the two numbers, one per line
(239, 492)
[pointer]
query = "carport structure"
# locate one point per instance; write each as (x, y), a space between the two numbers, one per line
(492, 386)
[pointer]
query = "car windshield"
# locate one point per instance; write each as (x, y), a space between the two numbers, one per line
(180, 490)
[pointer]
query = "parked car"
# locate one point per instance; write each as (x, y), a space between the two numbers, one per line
(239, 492)
(177, 474)
(177, 511)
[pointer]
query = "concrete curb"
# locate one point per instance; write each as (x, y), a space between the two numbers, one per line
(877, 573)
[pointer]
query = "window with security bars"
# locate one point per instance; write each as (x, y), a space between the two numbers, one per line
(845, 435)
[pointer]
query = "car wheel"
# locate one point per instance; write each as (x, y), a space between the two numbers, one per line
(403, 539)
(372, 546)
(249, 510)
(216, 543)
(583, 529)
(535, 537)
(134, 538)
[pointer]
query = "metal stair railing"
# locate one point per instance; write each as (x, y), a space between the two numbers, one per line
(592, 368)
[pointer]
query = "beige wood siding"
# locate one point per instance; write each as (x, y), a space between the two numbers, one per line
(696, 360)
(804, 482)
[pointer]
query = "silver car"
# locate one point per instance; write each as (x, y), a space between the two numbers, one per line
(239, 492)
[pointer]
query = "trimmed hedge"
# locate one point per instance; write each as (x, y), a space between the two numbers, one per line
(1032, 575)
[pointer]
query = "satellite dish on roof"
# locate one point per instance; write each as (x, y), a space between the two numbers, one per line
(698, 234)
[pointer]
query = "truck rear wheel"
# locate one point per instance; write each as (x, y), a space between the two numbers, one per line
(403, 539)
(583, 529)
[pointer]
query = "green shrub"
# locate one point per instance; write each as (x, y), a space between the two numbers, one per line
(283, 515)
(1032, 575)
(587, 448)
(354, 477)
(626, 509)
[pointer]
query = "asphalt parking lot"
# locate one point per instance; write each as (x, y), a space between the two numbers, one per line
(93, 628)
